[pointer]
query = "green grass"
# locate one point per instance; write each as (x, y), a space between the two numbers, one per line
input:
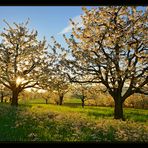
(35, 121)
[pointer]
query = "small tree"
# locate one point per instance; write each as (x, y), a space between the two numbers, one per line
(21, 59)
(54, 77)
(61, 86)
(81, 91)
(56, 87)
(46, 95)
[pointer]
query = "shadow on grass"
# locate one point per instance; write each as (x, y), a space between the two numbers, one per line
(136, 116)
(73, 105)
(100, 111)
(100, 114)
(9, 117)
(96, 111)
(39, 126)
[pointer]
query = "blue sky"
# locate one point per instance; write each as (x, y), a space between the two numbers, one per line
(47, 20)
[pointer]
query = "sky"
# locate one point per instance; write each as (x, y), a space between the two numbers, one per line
(47, 20)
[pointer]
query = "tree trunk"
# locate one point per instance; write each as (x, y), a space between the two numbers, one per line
(118, 109)
(46, 101)
(14, 101)
(82, 103)
(10, 99)
(61, 99)
(57, 102)
(2, 97)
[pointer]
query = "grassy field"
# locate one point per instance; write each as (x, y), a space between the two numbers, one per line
(36, 121)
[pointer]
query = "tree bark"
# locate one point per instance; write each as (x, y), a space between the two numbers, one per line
(46, 101)
(2, 97)
(14, 101)
(83, 100)
(118, 109)
(61, 99)
(82, 103)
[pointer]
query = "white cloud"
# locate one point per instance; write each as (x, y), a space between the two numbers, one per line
(77, 20)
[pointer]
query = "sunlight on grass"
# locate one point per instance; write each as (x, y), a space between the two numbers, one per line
(47, 122)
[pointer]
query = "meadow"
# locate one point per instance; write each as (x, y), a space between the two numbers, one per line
(36, 121)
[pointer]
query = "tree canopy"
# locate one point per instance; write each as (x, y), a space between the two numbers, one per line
(21, 58)
(111, 48)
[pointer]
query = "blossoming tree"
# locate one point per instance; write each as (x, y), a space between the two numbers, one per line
(111, 48)
(21, 59)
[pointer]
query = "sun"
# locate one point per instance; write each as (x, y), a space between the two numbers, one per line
(19, 80)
